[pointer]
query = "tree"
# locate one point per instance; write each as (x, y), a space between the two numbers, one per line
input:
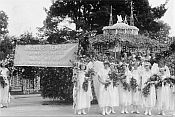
(3, 23)
(93, 15)
(6, 47)
(162, 34)
(27, 38)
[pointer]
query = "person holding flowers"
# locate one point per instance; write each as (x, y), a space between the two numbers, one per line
(104, 99)
(148, 88)
(124, 89)
(135, 84)
(4, 86)
(83, 93)
(163, 90)
(114, 91)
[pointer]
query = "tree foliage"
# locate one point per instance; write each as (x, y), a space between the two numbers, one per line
(3, 23)
(56, 83)
(93, 15)
(6, 47)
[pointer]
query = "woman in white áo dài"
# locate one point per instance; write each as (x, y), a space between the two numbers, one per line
(104, 99)
(83, 97)
(148, 100)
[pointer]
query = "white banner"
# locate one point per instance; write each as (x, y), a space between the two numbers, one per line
(45, 55)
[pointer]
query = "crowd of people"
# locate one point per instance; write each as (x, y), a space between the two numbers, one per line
(134, 80)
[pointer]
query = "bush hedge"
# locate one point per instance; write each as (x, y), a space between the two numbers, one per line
(56, 83)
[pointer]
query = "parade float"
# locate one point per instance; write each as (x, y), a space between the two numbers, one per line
(121, 37)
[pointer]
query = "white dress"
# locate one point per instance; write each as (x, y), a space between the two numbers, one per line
(164, 93)
(83, 99)
(104, 99)
(125, 98)
(114, 91)
(115, 96)
(97, 66)
(150, 100)
(5, 95)
(136, 96)
(172, 100)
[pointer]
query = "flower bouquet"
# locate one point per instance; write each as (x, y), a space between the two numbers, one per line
(107, 84)
(169, 81)
(133, 84)
(114, 77)
(85, 85)
(89, 73)
(126, 86)
(146, 89)
(2, 81)
(157, 78)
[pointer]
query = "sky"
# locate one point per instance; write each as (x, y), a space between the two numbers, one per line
(26, 15)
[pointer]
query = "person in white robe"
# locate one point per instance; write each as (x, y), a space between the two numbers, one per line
(125, 94)
(96, 65)
(149, 100)
(83, 97)
(104, 99)
(4, 91)
(136, 95)
(163, 92)
(114, 91)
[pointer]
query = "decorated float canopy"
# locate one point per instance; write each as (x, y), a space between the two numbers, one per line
(125, 34)
(120, 28)
(128, 39)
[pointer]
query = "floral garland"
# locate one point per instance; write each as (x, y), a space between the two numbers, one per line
(133, 84)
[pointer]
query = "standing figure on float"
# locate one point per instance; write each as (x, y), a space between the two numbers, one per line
(4, 87)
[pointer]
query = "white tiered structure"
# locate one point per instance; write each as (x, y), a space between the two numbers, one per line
(120, 28)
